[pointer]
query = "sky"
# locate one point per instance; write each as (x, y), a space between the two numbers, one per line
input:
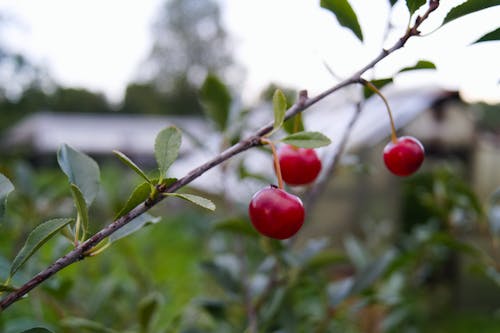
(100, 44)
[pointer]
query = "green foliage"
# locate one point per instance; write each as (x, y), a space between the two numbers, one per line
(414, 5)
(5, 188)
(489, 37)
(344, 14)
(197, 200)
(37, 238)
(216, 101)
(125, 159)
(307, 140)
(37, 330)
(148, 310)
(279, 109)
(81, 170)
(379, 83)
(81, 208)
(139, 195)
(167, 145)
(468, 7)
(421, 64)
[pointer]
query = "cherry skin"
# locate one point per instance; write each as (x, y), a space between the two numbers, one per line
(405, 156)
(276, 213)
(299, 166)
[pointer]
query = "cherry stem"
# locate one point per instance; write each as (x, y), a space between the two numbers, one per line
(371, 86)
(276, 161)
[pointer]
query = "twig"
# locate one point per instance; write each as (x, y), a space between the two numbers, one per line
(78, 253)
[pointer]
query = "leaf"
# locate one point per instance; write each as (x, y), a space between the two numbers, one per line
(489, 37)
(38, 330)
(236, 225)
(421, 64)
(5, 188)
(167, 145)
(372, 272)
(468, 7)
(5, 287)
(148, 308)
(222, 276)
(307, 140)
(200, 201)
(81, 170)
(139, 194)
(216, 101)
(324, 259)
(344, 14)
(81, 208)
(85, 324)
(294, 124)
(379, 83)
(41, 234)
(216, 308)
(125, 159)
(413, 5)
(339, 291)
(137, 223)
(279, 108)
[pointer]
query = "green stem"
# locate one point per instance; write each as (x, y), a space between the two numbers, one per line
(394, 137)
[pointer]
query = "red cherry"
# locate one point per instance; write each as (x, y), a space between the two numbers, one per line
(276, 213)
(299, 166)
(405, 156)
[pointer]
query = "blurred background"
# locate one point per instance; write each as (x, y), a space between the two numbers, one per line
(110, 75)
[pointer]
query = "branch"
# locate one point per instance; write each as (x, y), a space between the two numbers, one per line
(303, 103)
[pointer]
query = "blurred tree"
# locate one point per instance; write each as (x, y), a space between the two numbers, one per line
(77, 100)
(189, 42)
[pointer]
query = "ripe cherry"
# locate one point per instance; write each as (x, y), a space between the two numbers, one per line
(299, 166)
(405, 156)
(276, 213)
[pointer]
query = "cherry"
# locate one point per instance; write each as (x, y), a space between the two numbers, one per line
(276, 213)
(299, 166)
(405, 156)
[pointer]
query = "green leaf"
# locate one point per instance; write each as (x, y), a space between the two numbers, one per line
(216, 101)
(307, 140)
(38, 330)
(222, 276)
(279, 108)
(167, 145)
(41, 234)
(421, 64)
(324, 259)
(5, 287)
(367, 276)
(379, 83)
(468, 7)
(81, 208)
(239, 226)
(81, 170)
(139, 222)
(148, 308)
(125, 159)
(5, 188)
(413, 5)
(489, 37)
(294, 124)
(200, 201)
(339, 291)
(139, 194)
(344, 14)
(80, 324)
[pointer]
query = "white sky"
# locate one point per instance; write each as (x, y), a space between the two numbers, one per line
(99, 44)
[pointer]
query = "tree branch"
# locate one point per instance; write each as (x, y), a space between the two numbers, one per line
(303, 103)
